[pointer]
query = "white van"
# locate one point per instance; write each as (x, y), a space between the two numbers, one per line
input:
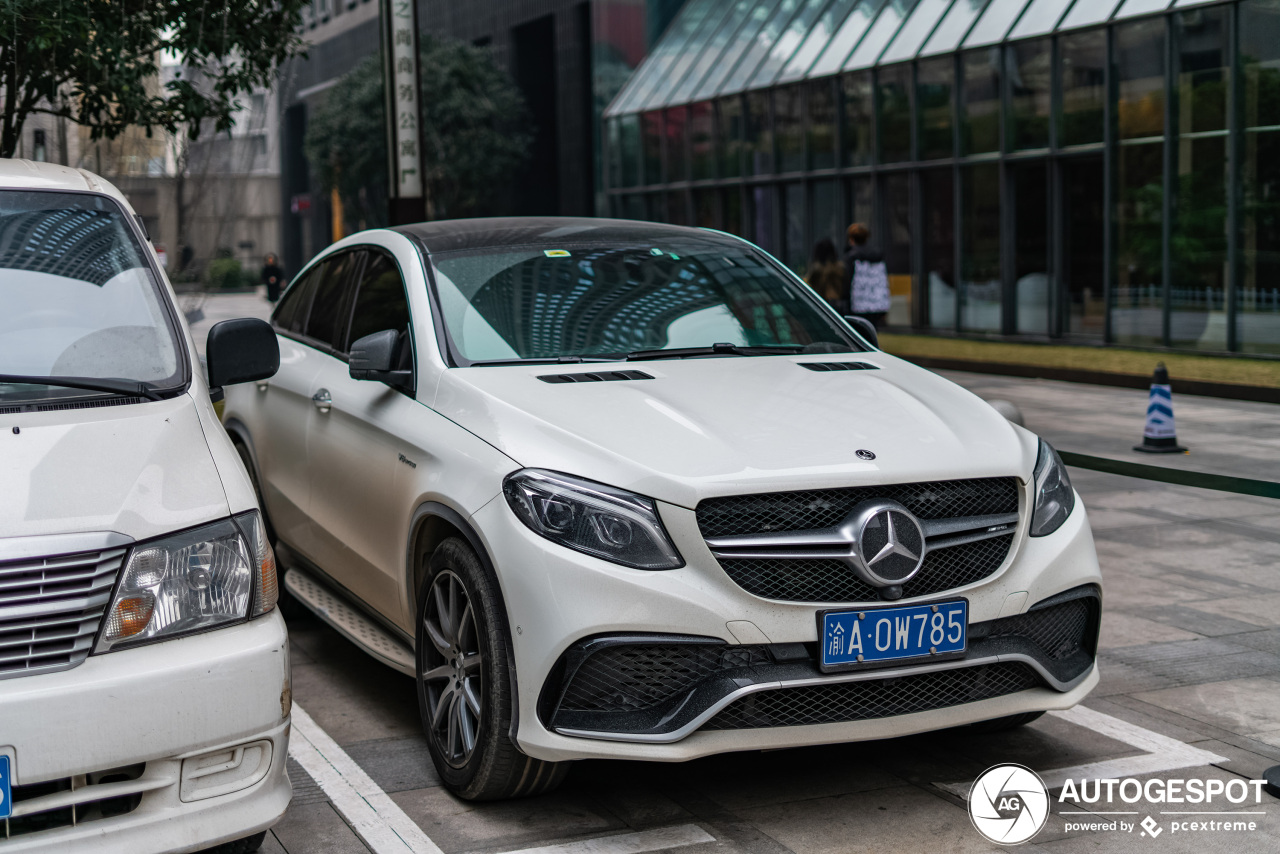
(144, 668)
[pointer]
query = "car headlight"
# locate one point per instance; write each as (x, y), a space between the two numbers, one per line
(590, 517)
(1054, 497)
(220, 573)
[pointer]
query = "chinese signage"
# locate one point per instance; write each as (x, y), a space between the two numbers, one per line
(402, 78)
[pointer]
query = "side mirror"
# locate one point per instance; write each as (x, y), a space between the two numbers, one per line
(864, 327)
(375, 357)
(241, 351)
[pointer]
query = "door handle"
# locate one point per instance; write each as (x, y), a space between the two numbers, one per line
(322, 400)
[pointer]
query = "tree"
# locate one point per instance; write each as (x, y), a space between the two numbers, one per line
(475, 133)
(94, 62)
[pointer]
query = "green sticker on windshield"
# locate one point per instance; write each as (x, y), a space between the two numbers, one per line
(556, 253)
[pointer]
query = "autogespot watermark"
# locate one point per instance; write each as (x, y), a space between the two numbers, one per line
(1009, 805)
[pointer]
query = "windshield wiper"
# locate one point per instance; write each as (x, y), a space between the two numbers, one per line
(715, 350)
(558, 360)
(124, 388)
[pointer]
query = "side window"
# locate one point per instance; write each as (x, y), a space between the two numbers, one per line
(326, 324)
(291, 314)
(381, 304)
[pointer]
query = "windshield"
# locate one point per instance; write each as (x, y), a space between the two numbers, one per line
(77, 298)
(611, 301)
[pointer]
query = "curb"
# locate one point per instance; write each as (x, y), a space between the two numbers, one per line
(1219, 482)
(1229, 391)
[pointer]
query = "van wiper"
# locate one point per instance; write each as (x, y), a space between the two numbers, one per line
(124, 388)
(558, 360)
(715, 350)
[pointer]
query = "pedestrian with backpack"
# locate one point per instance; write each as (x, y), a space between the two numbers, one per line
(866, 277)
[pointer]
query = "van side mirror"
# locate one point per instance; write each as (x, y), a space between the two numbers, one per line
(376, 357)
(241, 351)
(864, 327)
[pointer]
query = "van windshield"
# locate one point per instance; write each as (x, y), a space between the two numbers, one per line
(77, 299)
(627, 301)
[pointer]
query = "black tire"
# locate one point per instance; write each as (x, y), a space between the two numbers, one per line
(241, 846)
(464, 683)
(290, 608)
(1006, 723)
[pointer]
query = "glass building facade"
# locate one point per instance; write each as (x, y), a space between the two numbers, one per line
(1089, 170)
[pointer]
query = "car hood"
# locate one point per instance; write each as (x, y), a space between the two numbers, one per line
(140, 470)
(721, 426)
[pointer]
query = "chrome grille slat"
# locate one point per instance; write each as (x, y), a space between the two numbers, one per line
(795, 546)
(51, 607)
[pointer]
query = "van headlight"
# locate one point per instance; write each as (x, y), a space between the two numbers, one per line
(210, 576)
(1055, 498)
(592, 518)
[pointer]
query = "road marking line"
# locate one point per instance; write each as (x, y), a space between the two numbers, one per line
(630, 843)
(1162, 753)
(377, 819)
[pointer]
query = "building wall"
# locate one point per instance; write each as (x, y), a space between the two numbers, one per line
(1112, 184)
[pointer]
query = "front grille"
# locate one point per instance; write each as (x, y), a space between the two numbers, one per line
(50, 609)
(806, 580)
(632, 677)
(825, 508)
(874, 698)
(32, 816)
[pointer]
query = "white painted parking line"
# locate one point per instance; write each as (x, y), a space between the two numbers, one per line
(1162, 753)
(630, 843)
(377, 819)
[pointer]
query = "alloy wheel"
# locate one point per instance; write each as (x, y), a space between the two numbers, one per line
(453, 673)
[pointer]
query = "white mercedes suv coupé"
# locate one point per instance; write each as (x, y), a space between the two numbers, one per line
(624, 490)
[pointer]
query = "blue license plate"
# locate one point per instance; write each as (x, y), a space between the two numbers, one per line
(851, 639)
(6, 788)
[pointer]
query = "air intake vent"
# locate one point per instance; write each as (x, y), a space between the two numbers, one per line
(596, 377)
(838, 366)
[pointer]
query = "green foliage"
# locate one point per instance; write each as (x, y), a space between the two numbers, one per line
(96, 62)
(225, 274)
(475, 133)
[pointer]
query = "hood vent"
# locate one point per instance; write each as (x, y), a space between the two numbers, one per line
(595, 377)
(838, 366)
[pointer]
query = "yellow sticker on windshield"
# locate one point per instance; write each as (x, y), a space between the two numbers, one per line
(556, 253)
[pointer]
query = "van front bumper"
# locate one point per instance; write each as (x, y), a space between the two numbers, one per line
(195, 731)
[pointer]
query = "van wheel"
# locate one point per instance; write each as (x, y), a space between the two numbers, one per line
(1006, 723)
(464, 684)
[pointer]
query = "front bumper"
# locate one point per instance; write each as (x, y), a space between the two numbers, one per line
(175, 746)
(557, 598)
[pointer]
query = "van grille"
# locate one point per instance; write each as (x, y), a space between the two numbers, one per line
(50, 609)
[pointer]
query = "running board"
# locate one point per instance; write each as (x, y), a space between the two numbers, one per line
(350, 622)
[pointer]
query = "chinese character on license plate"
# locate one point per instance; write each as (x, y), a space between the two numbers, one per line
(872, 635)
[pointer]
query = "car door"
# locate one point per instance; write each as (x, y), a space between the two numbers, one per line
(358, 465)
(284, 404)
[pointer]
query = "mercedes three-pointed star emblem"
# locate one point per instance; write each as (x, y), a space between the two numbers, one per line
(889, 542)
(894, 546)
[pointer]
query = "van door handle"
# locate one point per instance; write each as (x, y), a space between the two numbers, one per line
(322, 400)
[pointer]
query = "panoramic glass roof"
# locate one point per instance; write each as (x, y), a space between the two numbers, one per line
(719, 47)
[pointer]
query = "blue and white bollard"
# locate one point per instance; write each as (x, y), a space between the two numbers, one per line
(1159, 436)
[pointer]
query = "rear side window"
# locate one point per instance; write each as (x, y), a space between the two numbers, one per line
(291, 315)
(381, 302)
(327, 321)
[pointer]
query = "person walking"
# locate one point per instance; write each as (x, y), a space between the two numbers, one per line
(866, 278)
(826, 275)
(272, 277)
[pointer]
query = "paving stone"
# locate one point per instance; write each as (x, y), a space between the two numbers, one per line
(1267, 640)
(1243, 706)
(456, 825)
(305, 789)
(271, 845)
(1259, 610)
(1195, 620)
(312, 828)
(903, 818)
(396, 764)
(1120, 629)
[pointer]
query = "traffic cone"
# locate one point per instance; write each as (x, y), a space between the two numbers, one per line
(1158, 437)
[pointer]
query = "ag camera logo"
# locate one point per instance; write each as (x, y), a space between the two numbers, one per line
(1008, 804)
